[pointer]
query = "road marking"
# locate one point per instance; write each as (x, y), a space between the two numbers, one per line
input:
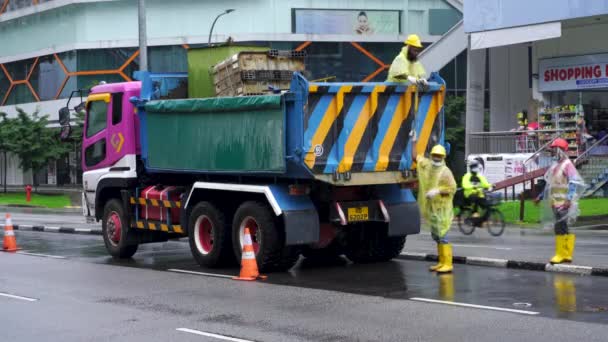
(482, 246)
(17, 297)
(200, 273)
(523, 312)
(42, 255)
(219, 337)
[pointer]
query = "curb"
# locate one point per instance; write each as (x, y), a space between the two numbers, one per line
(64, 230)
(504, 263)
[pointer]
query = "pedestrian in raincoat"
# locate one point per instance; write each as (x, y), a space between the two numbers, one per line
(563, 188)
(406, 66)
(436, 188)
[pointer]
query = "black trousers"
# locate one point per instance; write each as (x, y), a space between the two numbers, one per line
(561, 221)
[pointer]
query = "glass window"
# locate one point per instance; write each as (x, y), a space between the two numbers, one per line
(47, 77)
(116, 108)
(21, 93)
(4, 85)
(97, 117)
(167, 59)
(103, 59)
(96, 153)
(20, 69)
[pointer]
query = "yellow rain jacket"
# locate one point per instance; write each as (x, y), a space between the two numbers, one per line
(403, 67)
(474, 188)
(438, 211)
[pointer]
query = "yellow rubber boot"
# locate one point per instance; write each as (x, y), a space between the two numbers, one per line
(570, 239)
(446, 252)
(440, 257)
(560, 250)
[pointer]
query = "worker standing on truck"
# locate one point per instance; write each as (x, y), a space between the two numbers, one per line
(436, 188)
(406, 66)
(474, 185)
(563, 188)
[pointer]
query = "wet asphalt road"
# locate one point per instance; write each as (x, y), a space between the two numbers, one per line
(89, 297)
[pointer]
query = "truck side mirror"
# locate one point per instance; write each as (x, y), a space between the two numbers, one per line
(64, 116)
(80, 107)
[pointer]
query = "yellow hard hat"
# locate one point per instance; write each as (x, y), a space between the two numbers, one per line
(413, 40)
(438, 150)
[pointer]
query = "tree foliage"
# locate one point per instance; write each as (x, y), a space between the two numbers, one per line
(29, 137)
(455, 109)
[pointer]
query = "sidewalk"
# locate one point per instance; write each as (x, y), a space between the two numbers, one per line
(531, 247)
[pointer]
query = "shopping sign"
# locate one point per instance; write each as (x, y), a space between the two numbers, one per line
(572, 73)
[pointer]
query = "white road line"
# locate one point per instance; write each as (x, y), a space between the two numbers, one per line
(201, 273)
(219, 337)
(42, 255)
(481, 246)
(523, 312)
(17, 297)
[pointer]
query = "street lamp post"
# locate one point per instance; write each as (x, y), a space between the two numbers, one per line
(214, 21)
(143, 44)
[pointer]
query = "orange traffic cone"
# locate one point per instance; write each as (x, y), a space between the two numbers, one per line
(249, 266)
(10, 244)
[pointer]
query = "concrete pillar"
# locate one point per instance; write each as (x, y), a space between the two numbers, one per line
(509, 90)
(476, 79)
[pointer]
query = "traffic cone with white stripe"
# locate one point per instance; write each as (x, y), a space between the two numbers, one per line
(10, 243)
(249, 266)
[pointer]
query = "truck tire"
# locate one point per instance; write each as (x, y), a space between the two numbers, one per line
(209, 236)
(267, 235)
(115, 230)
(370, 242)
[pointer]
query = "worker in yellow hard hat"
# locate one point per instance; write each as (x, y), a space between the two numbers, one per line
(406, 66)
(436, 189)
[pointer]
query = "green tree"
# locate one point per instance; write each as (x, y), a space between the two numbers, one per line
(455, 109)
(34, 142)
(6, 127)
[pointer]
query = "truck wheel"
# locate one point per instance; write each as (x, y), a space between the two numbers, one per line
(209, 237)
(115, 230)
(370, 243)
(267, 236)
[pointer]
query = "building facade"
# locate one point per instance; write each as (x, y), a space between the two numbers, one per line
(52, 47)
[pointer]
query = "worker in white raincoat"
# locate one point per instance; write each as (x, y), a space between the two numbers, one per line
(563, 187)
(406, 66)
(436, 189)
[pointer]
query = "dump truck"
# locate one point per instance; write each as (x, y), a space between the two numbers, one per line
(319, 169)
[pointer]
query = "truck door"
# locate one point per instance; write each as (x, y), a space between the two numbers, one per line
(104, 137)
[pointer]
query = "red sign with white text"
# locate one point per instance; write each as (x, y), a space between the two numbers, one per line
(572, 73)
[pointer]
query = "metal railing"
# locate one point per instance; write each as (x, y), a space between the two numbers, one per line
(506, 142)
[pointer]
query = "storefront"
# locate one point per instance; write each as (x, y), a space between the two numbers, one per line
(575, 90)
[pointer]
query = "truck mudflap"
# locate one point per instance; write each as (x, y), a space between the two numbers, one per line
(402, 209)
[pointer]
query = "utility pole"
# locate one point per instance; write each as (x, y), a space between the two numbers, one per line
(143, 37)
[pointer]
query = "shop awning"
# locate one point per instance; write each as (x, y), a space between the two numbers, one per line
(515, 35)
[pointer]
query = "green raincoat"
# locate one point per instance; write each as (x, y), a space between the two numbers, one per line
(438, 211)
(402, 67)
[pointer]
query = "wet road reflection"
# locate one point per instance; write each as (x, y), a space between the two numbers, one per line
(580, 298)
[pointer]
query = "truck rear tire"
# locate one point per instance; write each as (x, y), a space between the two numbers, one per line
(369, 242)
(115, 230)
(209, 236)
(267, 236)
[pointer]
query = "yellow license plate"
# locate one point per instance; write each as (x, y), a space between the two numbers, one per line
(358, 214)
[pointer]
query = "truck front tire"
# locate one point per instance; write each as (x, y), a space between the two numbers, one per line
(115, 230)
(369, 242)
(267, 236)
(209, 236)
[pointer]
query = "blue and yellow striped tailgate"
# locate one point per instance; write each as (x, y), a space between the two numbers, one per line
(365, 127)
